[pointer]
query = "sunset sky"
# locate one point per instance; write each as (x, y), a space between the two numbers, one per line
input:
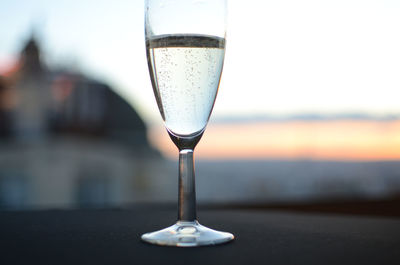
(323, 140)
(283, 57)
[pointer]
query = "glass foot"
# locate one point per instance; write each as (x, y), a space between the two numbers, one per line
(187, 234)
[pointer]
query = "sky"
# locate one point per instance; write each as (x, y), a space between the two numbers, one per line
(283, 57)
(346, 140)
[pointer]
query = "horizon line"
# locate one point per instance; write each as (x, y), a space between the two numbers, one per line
(307, 116)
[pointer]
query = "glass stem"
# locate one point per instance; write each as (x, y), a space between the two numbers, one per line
(187, 189)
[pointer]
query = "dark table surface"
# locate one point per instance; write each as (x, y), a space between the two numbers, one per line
(262, 237)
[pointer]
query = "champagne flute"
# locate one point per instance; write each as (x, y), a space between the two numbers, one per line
(185, 44)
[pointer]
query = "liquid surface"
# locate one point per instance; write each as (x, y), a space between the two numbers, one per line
(185, 71)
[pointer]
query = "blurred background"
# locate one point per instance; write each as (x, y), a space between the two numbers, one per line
(308, 109)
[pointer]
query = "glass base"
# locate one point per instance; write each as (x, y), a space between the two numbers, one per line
(187, 234)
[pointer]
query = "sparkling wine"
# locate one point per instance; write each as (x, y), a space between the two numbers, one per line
(185, 72)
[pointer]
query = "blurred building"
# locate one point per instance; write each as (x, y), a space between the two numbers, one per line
(67, 140)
